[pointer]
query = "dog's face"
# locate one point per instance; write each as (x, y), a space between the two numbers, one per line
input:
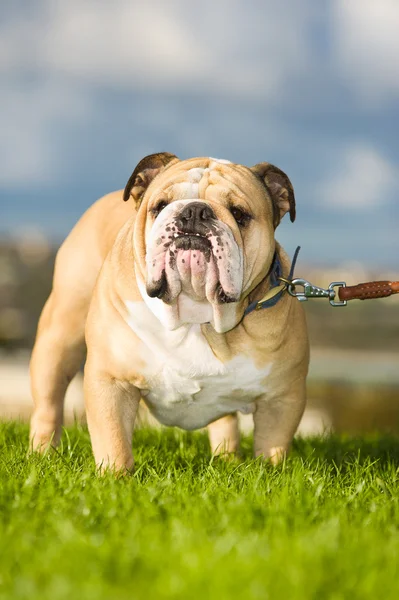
(204, 235)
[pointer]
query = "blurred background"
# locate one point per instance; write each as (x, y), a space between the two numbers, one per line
(89, 87)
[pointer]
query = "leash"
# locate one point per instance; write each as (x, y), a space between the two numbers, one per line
(337, 293)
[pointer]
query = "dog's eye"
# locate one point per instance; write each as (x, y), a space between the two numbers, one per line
(240, 216)
(159, 207)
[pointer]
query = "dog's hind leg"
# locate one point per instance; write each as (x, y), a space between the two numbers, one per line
(224, 435)
(58, 353)
(59, 348)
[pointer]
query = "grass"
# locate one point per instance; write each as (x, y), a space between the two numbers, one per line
(322, 525)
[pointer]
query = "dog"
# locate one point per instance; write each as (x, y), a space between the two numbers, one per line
(156, 280)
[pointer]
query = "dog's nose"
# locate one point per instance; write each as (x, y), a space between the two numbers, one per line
(195, 213)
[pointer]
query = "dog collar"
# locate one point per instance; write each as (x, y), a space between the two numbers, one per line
(277, 284)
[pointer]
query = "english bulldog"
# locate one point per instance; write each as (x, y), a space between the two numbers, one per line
(156, 281)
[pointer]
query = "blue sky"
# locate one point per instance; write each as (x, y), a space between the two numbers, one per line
(91, 86)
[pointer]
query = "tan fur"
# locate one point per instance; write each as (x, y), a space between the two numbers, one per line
(224, 435)
(97, 270)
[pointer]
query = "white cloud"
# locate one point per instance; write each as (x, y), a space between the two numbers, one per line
(366, 47)
(362, 179)
(213, 46)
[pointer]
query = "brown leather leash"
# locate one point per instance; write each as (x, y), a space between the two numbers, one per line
(362, 291)
(369, 290)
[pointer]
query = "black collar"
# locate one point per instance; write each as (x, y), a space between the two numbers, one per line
(276, 271)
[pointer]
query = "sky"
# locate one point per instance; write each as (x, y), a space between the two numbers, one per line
(89, 87)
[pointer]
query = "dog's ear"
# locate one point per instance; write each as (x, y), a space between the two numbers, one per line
(280, 189)
(144, 173)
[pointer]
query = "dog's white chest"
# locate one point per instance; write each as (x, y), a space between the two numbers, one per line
(186, 385)
(193, 397)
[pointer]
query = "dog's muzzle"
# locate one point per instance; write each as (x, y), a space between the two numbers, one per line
(190, 250)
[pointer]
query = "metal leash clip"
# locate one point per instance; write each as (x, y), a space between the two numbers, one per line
(313, 291)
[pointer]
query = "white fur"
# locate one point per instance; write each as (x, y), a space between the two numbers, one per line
(187, 385)
(188, 310)
(222, 161)
(195, 174)
(189, 190)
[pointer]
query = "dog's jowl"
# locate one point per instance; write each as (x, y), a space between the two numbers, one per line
(155, 280)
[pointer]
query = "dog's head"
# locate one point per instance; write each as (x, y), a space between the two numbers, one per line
(204, 235)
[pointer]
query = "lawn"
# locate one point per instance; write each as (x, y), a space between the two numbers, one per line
(325, 524)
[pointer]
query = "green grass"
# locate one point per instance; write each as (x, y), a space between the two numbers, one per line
(323, 525)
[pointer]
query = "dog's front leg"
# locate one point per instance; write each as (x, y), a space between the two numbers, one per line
(111, 408)
(276, 419)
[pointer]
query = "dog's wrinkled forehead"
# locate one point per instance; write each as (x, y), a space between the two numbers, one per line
(186, 185)
(202, 178)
